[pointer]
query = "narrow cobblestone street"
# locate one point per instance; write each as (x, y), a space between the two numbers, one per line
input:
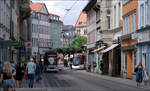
(81, 80)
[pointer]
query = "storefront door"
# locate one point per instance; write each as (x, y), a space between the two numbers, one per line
(129, 64)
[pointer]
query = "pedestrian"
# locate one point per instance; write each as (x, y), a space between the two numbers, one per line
(7, 77)
(145, 76)
(41, 65)
(101, 66)
(89, 67)
(139, 72)
(13, 69)
(25, 71)
(38, 71)
(19, 74)
(1, 69)
(31, 68)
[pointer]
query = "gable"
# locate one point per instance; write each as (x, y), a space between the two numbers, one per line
(44, 10)
(81, 22)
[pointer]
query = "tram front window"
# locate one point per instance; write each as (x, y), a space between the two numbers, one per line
(76, 60)
(52, 60)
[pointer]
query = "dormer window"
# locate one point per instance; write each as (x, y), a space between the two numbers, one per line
(80, 22)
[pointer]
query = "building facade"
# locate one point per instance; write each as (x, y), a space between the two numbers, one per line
(68, 34)
(5, 15)
(13, 13)
(91, 32)
(129, 50)
(80, 26)
(56, 30)
(143, 33)
(40, 29)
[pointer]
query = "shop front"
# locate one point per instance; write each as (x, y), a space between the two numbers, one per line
(129, 58)
(143, 36)
(112, 60)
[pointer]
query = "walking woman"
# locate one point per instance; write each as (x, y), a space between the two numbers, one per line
(19, 74)
(139, 74)
(7, 77)
(145, 76)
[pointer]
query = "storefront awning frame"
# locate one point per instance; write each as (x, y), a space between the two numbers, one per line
(109, 48)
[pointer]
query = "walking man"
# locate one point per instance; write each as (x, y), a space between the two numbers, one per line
(101, 66)
(31, 68)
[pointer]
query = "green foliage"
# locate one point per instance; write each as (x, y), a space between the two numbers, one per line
(78, 43)
(75, 47)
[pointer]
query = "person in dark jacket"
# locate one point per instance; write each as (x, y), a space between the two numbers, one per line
(19, 74)
(38, 71)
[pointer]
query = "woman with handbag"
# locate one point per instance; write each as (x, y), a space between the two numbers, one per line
(7, 77)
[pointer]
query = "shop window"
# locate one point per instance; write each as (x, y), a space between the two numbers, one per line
(134, 58)
(144, 60)
(125, 59)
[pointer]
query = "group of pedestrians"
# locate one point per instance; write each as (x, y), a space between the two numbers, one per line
(142, 74)
(11, 75)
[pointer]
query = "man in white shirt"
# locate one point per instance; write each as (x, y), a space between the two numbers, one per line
(31, 68)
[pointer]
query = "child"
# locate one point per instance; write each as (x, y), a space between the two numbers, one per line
(145, 76)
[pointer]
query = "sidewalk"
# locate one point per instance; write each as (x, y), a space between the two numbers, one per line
(116, 79)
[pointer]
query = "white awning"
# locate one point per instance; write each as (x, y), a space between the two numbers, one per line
(109, 48)
(98, 49)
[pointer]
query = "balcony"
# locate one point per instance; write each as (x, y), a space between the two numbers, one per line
(24, 9)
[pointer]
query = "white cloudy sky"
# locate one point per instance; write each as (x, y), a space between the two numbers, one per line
(59, 7)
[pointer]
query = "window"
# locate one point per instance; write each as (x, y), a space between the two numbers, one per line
(134, 59)
(114, 16)
(85, 32)
(97, 15)
(108, 19)
(134, 22)
(125, 60)
(80, 22)
(147, 12)
(126, 25)
(142, 14)
(119, 10)
(129, 24)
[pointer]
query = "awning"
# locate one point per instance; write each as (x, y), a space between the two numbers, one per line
(98, 49)
(109, 48)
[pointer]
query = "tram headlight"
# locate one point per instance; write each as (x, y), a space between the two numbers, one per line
(42, 60)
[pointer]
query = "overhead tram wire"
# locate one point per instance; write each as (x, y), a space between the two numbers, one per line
(58, 0)
(69, 9)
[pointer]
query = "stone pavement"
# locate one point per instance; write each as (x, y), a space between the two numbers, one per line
(116, 79)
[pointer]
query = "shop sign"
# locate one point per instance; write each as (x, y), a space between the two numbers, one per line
(22, 50)
(144, 36)
(15, 43)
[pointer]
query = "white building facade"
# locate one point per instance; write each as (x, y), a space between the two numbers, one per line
(143, 33)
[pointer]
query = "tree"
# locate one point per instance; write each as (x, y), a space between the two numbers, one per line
(78, 43)
(75, 47)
